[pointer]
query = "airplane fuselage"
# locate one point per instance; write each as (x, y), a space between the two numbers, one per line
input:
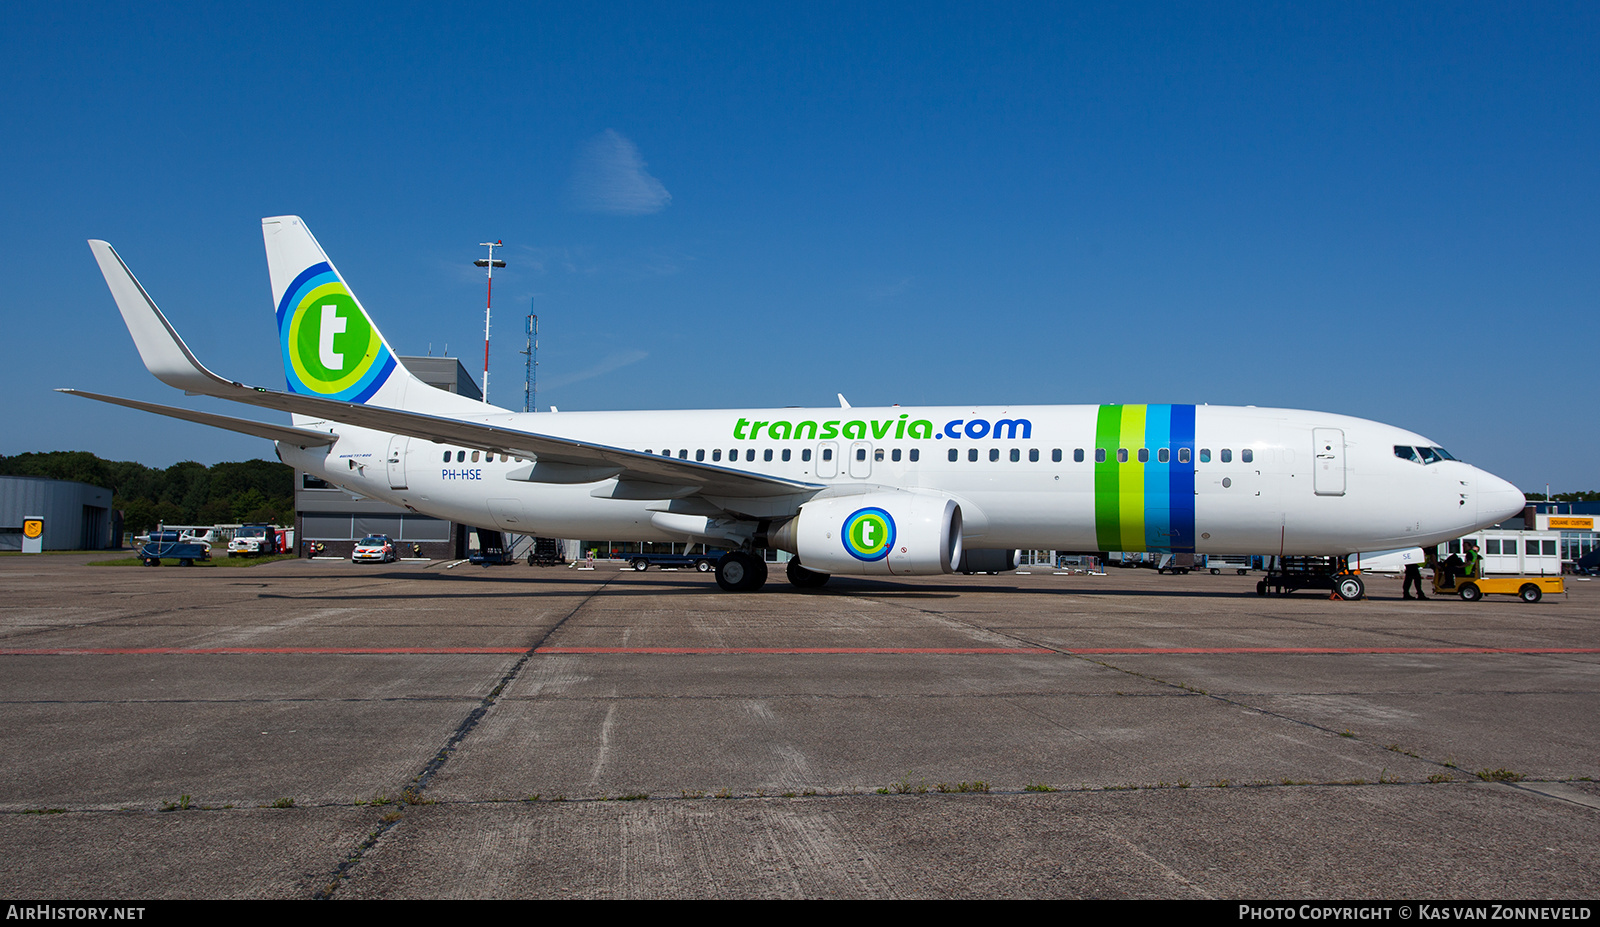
(1207, 479)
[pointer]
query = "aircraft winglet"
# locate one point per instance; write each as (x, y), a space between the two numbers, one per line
(162, 350)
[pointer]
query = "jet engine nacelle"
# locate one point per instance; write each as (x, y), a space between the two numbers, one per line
(899, 533)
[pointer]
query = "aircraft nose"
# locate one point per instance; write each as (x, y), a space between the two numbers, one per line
(1498, 500)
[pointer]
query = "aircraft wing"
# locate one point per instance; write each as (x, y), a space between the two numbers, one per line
(171, 361)
(304, 437)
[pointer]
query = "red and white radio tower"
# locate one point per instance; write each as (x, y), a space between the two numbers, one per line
(491, 264)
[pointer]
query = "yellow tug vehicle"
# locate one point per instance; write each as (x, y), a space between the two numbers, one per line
(1472, 588)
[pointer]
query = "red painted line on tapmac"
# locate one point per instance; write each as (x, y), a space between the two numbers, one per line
(1321, 650)
(198, 651)
(797, 650)
(601, 651)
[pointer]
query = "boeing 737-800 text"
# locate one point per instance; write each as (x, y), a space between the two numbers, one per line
(865, 491)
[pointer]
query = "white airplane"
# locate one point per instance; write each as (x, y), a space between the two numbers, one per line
(863, 491)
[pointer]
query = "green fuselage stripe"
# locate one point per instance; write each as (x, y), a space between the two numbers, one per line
(1107, 506)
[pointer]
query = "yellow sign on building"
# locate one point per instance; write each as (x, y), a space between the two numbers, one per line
(1571, 523)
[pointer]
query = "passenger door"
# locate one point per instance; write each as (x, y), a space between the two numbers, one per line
(1327, 460)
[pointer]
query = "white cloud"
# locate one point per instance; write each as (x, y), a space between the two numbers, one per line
(613, 362)
(610, 177)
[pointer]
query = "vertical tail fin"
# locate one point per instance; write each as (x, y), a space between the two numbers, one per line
(331, 348)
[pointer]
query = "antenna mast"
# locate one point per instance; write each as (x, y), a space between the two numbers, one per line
(530, 380)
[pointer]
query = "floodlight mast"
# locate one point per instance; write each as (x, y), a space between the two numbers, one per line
(491, 264)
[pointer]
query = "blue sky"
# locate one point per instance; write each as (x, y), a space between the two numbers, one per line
(1384, 210)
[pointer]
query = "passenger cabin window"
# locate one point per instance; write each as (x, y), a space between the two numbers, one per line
(806, 454)
(1247, 455)
(1122, 455)
(827, 453)
(716, 454)
(750, 455)
(861, 453)
(954, 454)
(1183, 455)
(994, 454)
(1033, 455)
(1163, 456)
(878, 455)
(1099, 455)
(1144, 455)
(700, 454)
(474, 456)
(785, 455)
(767, 455)
(972, 455)
(1227, 455)
(916, 455)
(1205, 455)
(895, 455)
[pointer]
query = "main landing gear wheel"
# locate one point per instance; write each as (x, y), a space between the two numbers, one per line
(1349, 588)
(1530, 593)
(802, 578)
(738, 571)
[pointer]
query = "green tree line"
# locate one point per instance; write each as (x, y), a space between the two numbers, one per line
(1586, 495)
(185, 493)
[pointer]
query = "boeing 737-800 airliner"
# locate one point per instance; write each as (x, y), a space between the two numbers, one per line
(902, 491)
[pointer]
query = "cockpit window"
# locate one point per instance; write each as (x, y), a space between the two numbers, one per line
(1422, 455)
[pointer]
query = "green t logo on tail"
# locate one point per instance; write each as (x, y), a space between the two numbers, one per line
(330, 348)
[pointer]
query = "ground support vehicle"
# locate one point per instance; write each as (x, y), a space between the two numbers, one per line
(169, 545)
(1527, 588)
(1216, 564)
(545, 552)
(705, 563)
(1175, 563)
(1286, 574)
(254, 540)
